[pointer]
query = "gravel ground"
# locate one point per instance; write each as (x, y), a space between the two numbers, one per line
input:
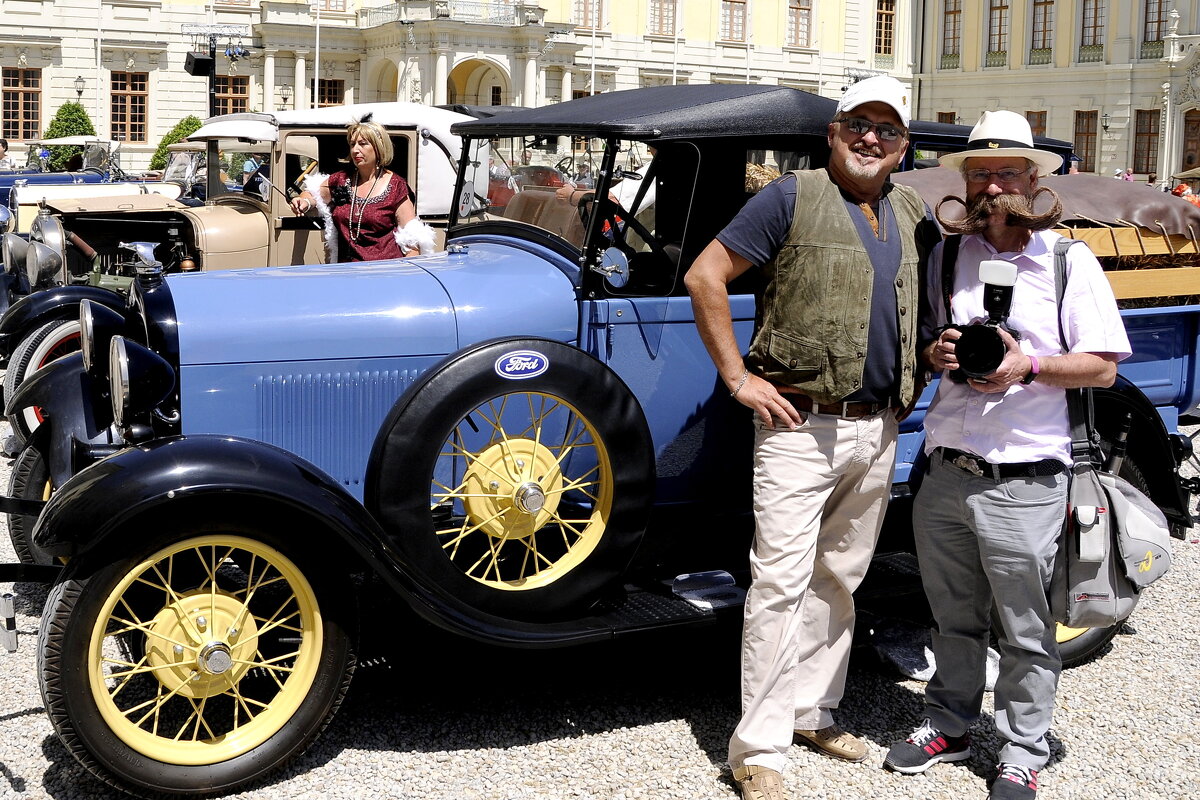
(429, 718)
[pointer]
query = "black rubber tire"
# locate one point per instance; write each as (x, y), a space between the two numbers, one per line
(29, 480)
(77, 682)
(401, 488)
(1089, 644)
(61, 337)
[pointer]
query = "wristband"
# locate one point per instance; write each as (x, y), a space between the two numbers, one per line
(1033, 371)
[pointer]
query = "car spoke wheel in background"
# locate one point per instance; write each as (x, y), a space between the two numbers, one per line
(28, 480)
(522, 496)
(1077, 645)
(48, 342)
(198, 664)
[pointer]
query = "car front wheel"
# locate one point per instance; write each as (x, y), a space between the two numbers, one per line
(200, 661)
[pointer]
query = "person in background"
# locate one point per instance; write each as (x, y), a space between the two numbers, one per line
(369, 205)
(6, 161)
(1127, 175)
(826, 413)
(990, 510)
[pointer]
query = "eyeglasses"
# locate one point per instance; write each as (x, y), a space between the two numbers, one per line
(861, 127)
(1003, 175)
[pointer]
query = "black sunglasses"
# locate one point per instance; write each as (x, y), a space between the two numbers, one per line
(884, 130)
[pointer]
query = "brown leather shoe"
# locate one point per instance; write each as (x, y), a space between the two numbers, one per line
(834, 741)
(759, 783)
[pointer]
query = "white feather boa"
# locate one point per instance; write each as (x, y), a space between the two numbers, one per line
(416, 235)
(312, 184)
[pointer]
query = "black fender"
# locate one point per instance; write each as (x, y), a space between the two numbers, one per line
(61, 302)
(1150, 445)
(93, 513)
(77, 410)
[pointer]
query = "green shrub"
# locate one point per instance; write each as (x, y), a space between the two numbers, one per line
(71, 120)
(186, 126)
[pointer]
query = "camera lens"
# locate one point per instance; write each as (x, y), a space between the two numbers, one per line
(980, 350)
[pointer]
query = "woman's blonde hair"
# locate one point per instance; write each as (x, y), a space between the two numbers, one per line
(374, 133)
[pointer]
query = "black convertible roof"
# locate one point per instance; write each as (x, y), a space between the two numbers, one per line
(669, 112)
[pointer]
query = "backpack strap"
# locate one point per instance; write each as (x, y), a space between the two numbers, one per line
(949, 258)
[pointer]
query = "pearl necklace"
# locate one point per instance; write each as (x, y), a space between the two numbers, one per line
(355, 231)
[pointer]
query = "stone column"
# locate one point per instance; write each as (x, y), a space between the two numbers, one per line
(440, 73)
(564, 142)
(302, 94)
(269, 80)
(529, 93)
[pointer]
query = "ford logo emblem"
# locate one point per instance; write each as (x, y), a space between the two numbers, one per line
(521, 364)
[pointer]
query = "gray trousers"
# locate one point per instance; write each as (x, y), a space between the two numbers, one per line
(987, 548)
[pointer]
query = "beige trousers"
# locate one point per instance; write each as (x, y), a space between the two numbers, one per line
(819, 496)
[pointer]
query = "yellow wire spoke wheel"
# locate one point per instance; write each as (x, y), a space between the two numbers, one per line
(522, 492)
(204, 650)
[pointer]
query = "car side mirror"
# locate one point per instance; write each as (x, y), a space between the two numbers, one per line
(614, 266)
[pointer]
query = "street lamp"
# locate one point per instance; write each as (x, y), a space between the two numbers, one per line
(79, 84)
(1104, 121)
(285, 92)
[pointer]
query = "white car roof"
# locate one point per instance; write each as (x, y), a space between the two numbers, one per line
(80, 141)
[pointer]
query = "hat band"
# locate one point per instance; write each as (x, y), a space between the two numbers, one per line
(996, 144)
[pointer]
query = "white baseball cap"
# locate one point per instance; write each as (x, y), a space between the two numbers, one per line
(879, 89)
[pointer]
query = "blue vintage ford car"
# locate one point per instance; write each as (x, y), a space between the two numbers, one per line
(522, 437)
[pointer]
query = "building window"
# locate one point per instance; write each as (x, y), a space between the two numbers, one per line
(330, 92)
(1085, 139)
(328, 5)
(233, 94)
(885, 27)
(22, 103)
(497, 96)
(130, 96)
(662, 18)
(733, 20)
(998, 26)
(1145, 141)
(951, 27)
(1037, 122)
(1155, 21)
(1043, 25)
(1093, 24)
(587, 14)
(799, 32)
(947, 117)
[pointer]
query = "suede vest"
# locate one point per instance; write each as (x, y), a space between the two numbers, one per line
(815, 312)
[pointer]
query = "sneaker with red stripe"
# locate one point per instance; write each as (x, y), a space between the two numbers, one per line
(926, 747)
(1014, 782)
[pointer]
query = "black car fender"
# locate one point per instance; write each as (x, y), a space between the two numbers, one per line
(62, 302)
(1150, 446)
(229, 478)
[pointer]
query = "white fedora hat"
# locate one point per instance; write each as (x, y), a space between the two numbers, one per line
(999, 134)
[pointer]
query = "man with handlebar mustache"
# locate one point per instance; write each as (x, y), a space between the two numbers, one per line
(990, 510)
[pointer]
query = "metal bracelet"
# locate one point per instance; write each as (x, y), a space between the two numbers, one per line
(741, 383)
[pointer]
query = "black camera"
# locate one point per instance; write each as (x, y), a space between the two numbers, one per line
(980, 349)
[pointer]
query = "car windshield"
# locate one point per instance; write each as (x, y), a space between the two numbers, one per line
(179, 166)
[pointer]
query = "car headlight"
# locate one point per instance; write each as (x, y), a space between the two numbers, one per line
(12, 250)
(98, 324)
(6, 218)
(42, 263)
(139, 379)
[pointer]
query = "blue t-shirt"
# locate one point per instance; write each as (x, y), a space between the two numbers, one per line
(761, 228)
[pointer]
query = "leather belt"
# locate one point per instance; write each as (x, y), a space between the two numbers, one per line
(806, 404)
(969, 462)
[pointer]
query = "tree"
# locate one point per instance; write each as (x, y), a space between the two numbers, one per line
(71, 120)
(186, 126)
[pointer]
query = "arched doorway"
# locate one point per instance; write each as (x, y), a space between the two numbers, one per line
(479, 82)
(383, 87)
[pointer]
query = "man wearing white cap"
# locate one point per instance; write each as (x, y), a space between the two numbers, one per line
(988, 515)
(831, 367)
